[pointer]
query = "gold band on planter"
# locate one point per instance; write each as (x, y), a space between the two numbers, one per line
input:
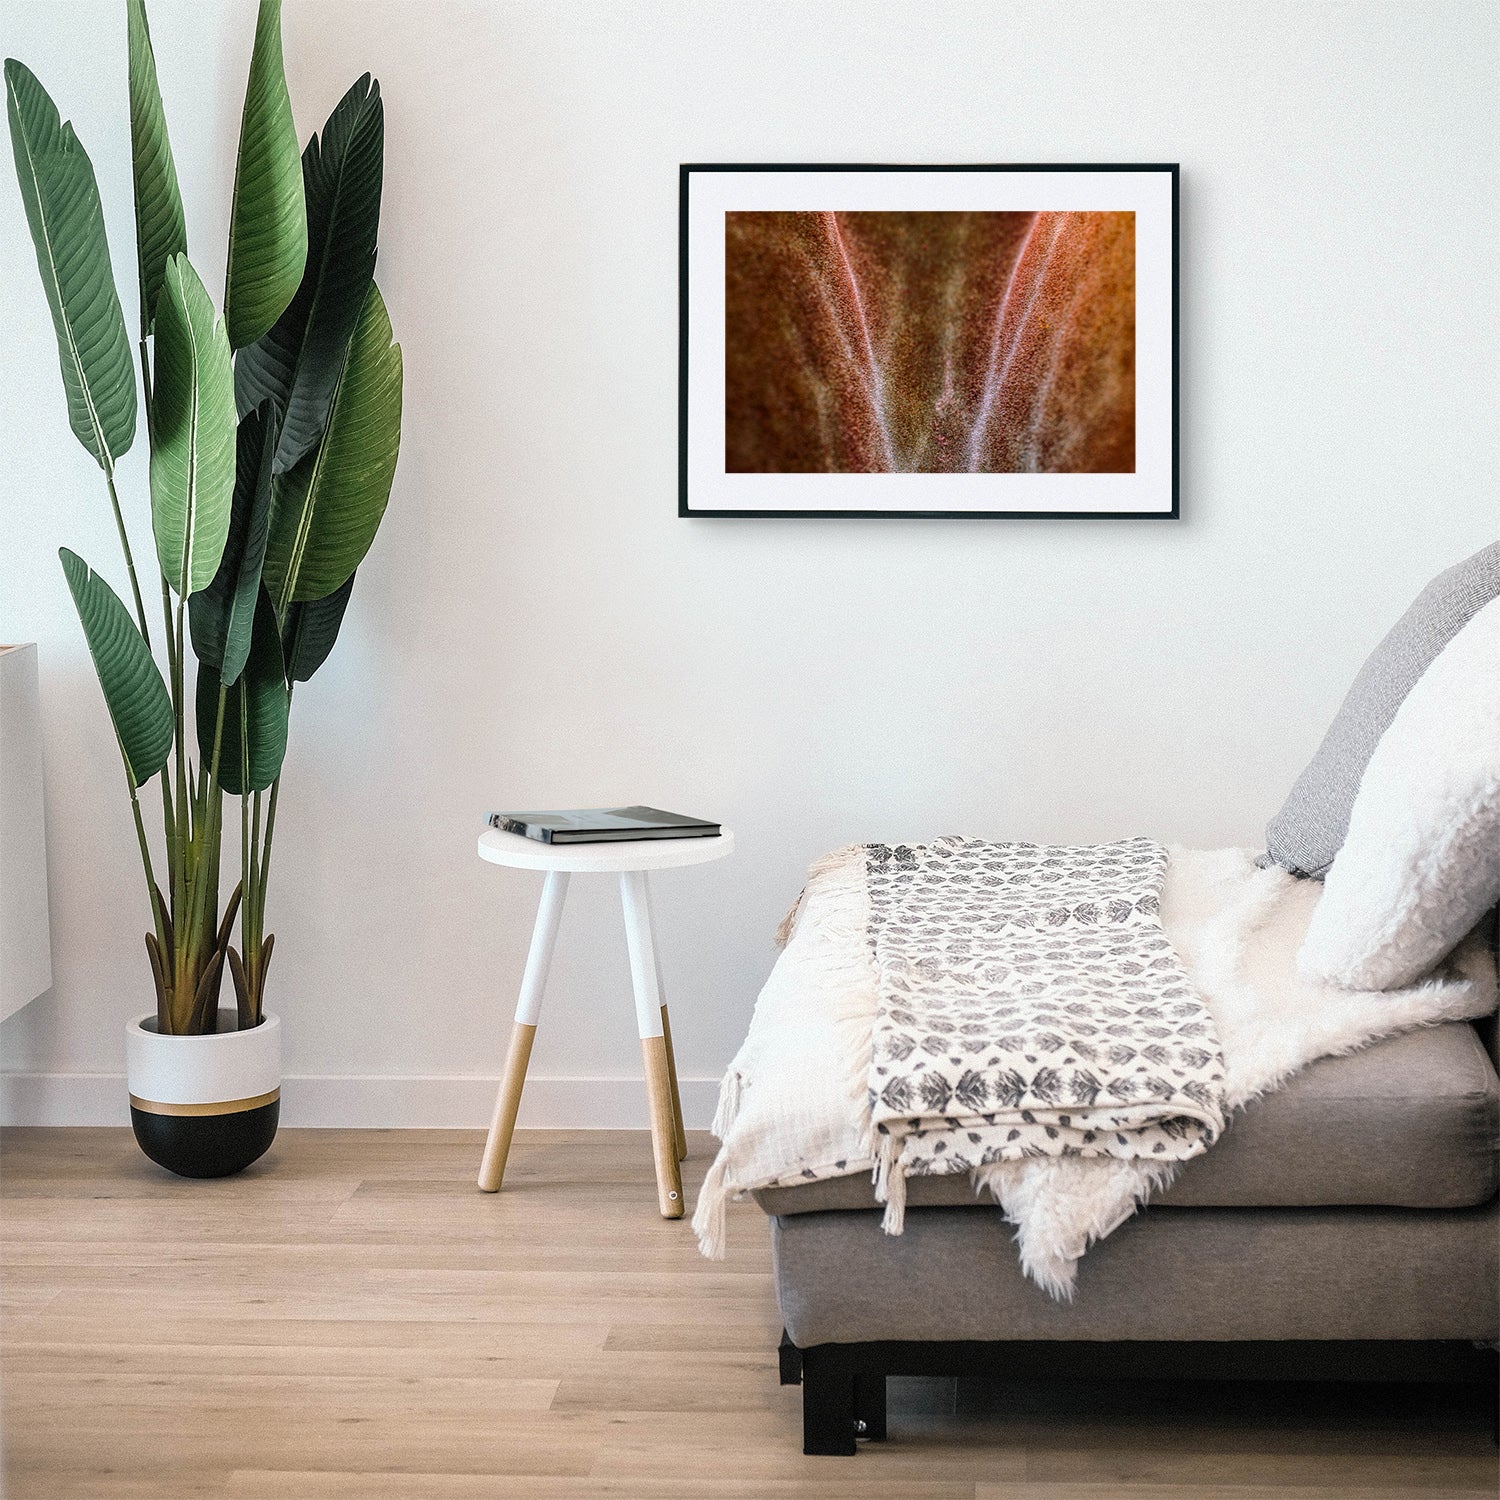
(219, 1107)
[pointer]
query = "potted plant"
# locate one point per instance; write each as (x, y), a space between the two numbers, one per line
(273, 431)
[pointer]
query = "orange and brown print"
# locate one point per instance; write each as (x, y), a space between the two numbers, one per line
(930, 342)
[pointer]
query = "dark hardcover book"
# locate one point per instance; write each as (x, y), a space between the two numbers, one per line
(602, 825)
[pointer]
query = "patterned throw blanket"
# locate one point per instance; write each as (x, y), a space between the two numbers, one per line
(1030, 1005)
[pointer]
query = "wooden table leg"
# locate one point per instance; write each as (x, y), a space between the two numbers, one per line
(507, 1102)
(528, 1010)
(648, 1014)
(663, 1136)
(679, 1129)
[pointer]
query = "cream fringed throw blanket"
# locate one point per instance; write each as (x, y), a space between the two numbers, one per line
(796, 1104)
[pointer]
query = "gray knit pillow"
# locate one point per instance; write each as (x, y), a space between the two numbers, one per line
(1309, 830)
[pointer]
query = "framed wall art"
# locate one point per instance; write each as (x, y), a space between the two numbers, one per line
(928, 341)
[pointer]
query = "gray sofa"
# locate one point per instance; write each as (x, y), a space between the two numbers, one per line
(1346, 1225)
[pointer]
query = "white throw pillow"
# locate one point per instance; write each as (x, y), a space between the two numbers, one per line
(1421, 863)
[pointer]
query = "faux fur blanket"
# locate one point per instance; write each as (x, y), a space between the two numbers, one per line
(1029, 1004)
(795, 1103)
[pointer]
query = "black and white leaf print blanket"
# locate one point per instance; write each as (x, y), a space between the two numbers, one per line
(1030, 1004)
(965, 994)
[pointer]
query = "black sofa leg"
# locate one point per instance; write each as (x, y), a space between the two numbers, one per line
(828, 1404)
(869, 1407)
(789, 1360)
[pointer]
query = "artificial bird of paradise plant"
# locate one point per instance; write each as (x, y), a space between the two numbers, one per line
(273, 429)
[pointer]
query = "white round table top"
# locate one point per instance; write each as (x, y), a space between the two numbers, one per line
(501, 848)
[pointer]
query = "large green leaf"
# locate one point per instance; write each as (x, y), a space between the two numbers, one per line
(297, 363)
(192, 432)
(133, 690)
(325, 513)
(268, 222)
(72, 253)
(160, 229)
(311, 628)
(257, 703)
(222, 614)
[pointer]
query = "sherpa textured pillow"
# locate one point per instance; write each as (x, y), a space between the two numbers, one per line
(1306, 834)
(1421, 863)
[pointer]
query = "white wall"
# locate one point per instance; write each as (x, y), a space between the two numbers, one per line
(535, 626)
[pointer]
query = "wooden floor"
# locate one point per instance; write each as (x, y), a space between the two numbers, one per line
(352, 1318)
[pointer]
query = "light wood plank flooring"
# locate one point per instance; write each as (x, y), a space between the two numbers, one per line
(351, 1318)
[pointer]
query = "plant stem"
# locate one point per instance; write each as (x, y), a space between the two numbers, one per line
(254, 965)
(140, 834)
(265, 869)
(168, 818)
(247, 889)
(114, 500)
(252, 931)
(176, 822)
(264, 877)
(213, 765)
(208, 800)
(250, 838)
(255, 843)
(185, 835)
(163, 1020)
(135, 588)
(265, 852)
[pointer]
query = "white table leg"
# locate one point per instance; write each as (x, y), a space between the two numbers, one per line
(680, 1130)
(635, 899)
(528, 1010)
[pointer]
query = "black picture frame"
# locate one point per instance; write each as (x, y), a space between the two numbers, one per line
(685, 506)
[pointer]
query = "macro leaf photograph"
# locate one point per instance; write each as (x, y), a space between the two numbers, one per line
(930, 342)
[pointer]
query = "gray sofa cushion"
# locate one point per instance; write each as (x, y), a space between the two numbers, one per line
(1309, 830)
(1204, 1273)
(1408, 1123)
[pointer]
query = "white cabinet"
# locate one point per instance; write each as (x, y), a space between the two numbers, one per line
(25, 936)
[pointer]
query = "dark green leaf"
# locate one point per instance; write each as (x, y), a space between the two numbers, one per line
(222, 615)
(311, 629)
(297, 363)
(72, 254)
(252, 733)
(133, 690)
(192, 432)
(325, 513)
(160, 230)
(268, 223)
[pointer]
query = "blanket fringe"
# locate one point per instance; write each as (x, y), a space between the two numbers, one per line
(729, 1104)
(845, 965)
(825, 864)
(889, 1178)
(712, 1209)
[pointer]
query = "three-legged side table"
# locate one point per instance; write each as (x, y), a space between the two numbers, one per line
(631, 860)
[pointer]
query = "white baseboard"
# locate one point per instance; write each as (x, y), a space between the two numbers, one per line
(460, 1101)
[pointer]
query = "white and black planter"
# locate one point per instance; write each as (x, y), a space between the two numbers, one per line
(204, 1106)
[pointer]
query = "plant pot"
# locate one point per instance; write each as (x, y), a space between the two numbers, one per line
(204, 1106)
